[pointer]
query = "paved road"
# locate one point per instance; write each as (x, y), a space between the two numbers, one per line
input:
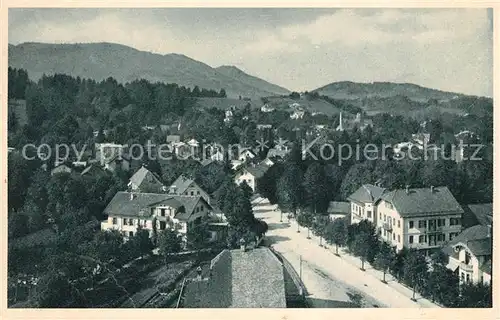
(331, 281)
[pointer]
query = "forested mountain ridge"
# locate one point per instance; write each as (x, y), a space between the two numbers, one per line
(102, 60)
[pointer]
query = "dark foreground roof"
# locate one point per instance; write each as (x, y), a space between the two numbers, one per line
(423, 201)
(251, 279)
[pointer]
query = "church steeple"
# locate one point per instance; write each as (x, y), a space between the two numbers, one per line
(340, 126)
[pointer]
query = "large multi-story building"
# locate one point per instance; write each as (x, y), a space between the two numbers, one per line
(419, 218)
(129, 211)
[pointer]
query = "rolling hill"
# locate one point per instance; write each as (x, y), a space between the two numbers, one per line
(102, 60)
(355, 90)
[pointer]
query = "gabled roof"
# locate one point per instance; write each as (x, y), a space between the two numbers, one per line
(339, 207)
(257, 170)
(423, 201)
(140, 205)
(367, 193)
(93, 168)
(182, 183)
(251, 279)
(478, 214)
(475, 238)
(143, 173)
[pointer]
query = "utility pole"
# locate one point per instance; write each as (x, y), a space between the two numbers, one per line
(300, 268)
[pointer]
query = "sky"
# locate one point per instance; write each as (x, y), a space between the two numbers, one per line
(300, 49)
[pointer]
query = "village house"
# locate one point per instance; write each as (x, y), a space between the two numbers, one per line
(362, 203)
(470, 254)
(418, 218)
(145, 181)
(338, 210)
(267, 108)
(106, 151)
(129, 211)
(246, 154)
(361, 123)
(117, 161)
(250, 174)
(480, 213)
(188, 187)
(93, 170)
(61, 168)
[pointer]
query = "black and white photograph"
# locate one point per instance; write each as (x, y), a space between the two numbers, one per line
(230, 157)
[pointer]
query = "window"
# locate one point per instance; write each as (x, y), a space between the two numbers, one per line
(152, 211)
(452, 235)
(410, 224)
(369, 214)
(422, 239)
(385, 218)
(163, 225)
(393, 222)
(198, 192)
(384, 232)
(114, 220)
(440, 237)
(393, 236)
(162, 212)
(130, 222)
(410, 239)
(399, 223)
(125, 221)
(399, 238)
(422, 224)
(467, 278)
(192, 193)
(441, 223)
(130, 233)
(454, 221)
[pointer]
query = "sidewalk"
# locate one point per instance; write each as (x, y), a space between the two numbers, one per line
(356, 263)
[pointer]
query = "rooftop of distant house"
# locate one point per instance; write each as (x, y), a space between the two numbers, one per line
(481, 213)
(367, 193)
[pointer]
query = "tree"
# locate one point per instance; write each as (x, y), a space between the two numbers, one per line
(385, 258)
(290, 189)
(107, 246)
(415, 269)
(361, 247)
(306, 219)
(197, 235)
(140, 244)
(442, 285)
(222, 93)
(475, 295)
(319, 226)
(168, 242)
(315, 188)
(336, 233)
(266, 185)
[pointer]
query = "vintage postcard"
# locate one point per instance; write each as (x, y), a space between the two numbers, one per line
(248, 157)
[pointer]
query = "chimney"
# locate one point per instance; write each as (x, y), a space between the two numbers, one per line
(432, 189)
(407, 189)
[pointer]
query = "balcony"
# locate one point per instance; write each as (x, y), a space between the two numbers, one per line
(387, 226)
(466, 267)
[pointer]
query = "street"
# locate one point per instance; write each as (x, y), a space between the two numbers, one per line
(331, 281)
